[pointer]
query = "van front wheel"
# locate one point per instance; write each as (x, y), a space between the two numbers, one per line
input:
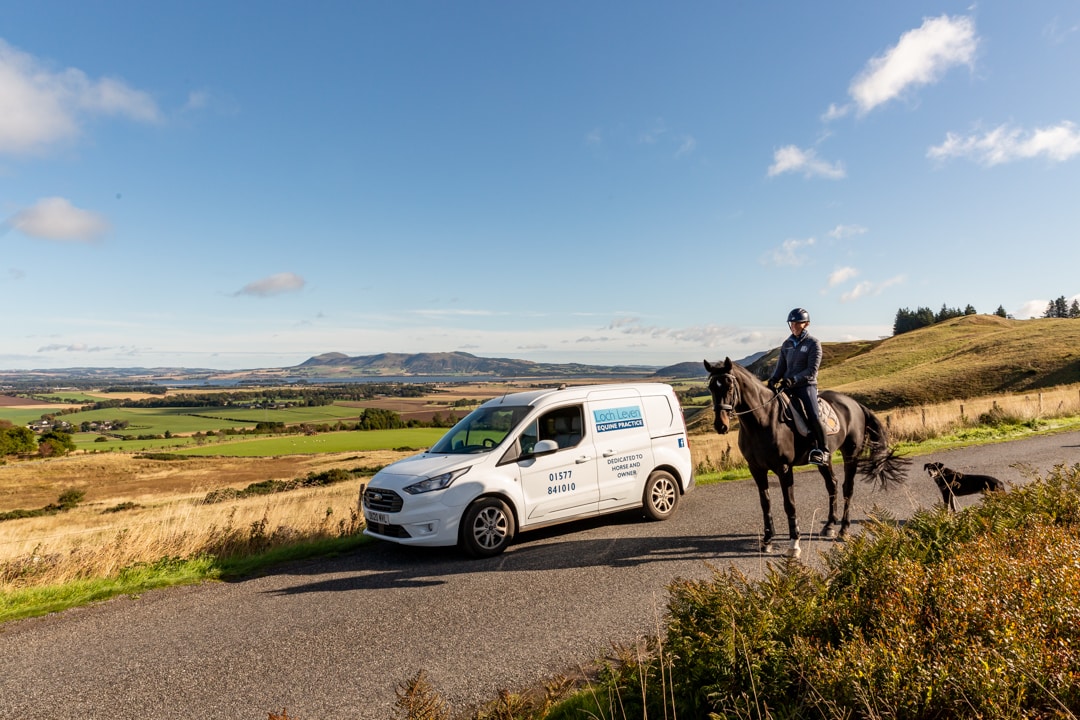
(661, 495)
(487, 527)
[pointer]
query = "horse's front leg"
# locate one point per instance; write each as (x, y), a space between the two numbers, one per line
(787, 487)
(829, 530)
(761, 478)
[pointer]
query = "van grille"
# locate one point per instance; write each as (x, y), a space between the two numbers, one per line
(388, 530)
(382, 500)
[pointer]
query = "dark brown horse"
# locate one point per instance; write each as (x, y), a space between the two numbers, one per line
(767, 443)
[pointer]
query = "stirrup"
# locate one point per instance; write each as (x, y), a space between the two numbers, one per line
(819, 457)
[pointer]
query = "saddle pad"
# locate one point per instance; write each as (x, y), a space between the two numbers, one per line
(829, 419)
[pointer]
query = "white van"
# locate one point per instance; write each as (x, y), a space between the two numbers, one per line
(530, 459)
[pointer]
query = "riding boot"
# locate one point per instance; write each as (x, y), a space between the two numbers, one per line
(820, 454)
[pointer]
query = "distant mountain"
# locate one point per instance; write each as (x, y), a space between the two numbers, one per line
(696, 368)
(338, 365)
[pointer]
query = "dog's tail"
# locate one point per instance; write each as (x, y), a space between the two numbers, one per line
(880, 464)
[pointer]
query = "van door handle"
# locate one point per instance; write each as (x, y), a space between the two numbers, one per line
(583, 459)
(609, 453)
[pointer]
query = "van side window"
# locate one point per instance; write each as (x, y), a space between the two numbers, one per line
(562, 425)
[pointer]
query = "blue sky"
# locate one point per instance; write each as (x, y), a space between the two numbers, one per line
(240, 185)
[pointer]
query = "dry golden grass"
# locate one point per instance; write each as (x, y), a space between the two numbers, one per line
(167, 516)
(925, 421)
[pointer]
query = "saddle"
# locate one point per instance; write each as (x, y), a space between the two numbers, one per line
(790, 413)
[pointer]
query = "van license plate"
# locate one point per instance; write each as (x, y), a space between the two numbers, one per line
(377, 517)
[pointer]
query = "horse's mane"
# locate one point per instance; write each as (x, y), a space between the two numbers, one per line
(749, 378)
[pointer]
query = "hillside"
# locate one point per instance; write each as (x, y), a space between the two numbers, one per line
(964, 357)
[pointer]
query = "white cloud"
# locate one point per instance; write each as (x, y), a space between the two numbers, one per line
(273, 285)
(1057, 34)
(56, 218)
(793, 159)
(869, 289)
(453, 312)
(39, 107)
(704, 336)
(841, 232)
(74, 347)
(835, 112)
(1037, 308)
(841, 275)
(197, 100)
(1005, 144)
(920, 57)
(1032, 309)
(788, 253)
(688, 145)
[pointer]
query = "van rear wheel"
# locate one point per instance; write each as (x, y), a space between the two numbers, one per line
(661, 495)
(487, 527)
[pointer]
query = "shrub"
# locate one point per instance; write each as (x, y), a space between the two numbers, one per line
(972, 614)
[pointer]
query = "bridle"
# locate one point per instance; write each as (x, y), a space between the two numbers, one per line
(729, 407)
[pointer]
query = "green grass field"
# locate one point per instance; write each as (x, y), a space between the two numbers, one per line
(156, 421)
(20, 416)
(289, 416)
(333, 442)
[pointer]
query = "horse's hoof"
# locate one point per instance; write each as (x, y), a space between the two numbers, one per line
(794, 552)
(766, 548)
(828, 531)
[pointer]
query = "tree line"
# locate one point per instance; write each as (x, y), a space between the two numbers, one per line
(908, 320)
(20, 440)
(1060, 308)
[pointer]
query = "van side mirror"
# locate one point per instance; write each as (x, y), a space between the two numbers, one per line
(543, 447)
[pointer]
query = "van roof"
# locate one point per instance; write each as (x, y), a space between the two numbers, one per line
(571, 393)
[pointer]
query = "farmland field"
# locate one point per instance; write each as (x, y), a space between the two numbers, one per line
(415, 439)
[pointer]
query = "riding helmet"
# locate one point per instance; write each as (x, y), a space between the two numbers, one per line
(798, 315)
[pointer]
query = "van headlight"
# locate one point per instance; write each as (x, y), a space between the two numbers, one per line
(438, 482)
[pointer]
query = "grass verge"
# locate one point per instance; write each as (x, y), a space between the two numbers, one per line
(167, 572)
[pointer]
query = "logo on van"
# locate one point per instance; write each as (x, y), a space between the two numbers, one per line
(623, 418)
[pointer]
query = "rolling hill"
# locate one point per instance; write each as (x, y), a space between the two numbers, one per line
(965, 357)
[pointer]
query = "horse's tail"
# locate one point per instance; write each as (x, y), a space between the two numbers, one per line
(880, 464)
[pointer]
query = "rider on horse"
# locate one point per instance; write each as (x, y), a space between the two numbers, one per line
(796, 374)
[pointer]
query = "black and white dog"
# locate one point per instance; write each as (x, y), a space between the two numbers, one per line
(953, 483)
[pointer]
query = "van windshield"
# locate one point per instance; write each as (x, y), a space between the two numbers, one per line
(481, 430)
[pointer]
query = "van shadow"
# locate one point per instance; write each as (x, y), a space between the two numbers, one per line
(386, 565)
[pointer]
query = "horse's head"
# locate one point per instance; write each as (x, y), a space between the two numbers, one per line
(724, 389)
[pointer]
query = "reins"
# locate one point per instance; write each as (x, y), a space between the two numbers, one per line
(750, 410)
(731, 408)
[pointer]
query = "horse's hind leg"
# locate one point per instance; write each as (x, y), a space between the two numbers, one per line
(851, 466)
(829, 529)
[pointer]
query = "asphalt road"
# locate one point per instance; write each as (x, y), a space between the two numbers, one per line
(333, 639)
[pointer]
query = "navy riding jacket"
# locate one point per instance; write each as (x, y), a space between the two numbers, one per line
(800, 358)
